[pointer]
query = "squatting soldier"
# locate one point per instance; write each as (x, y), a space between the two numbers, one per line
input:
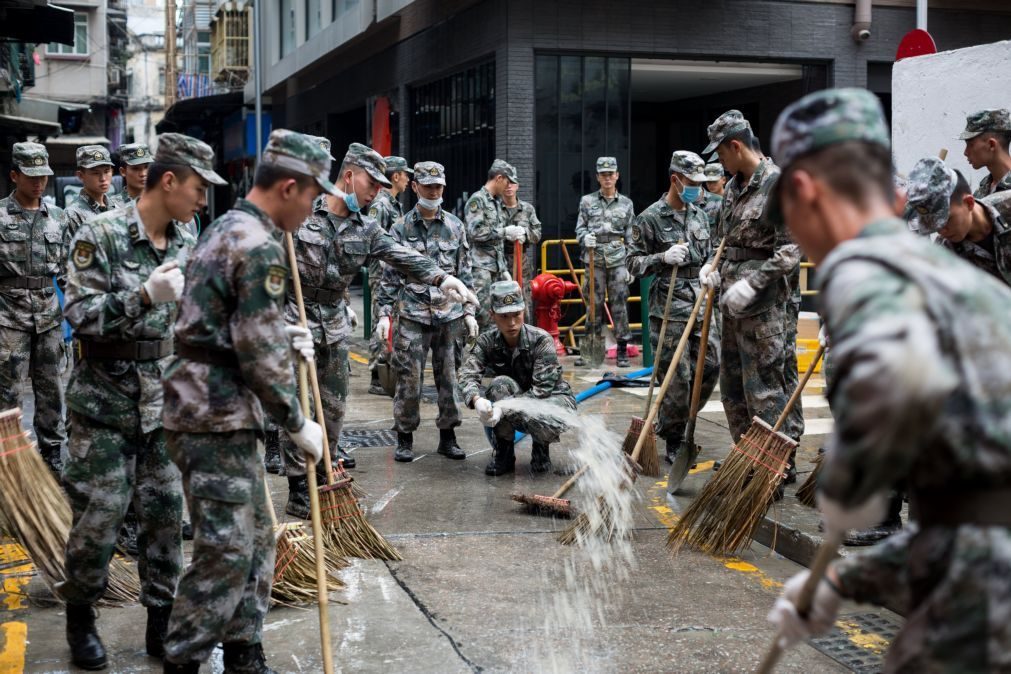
(923, 380)
(331, 247)
(485, 224)
(604, 219)
(755, 269)
(125, 277)
(523, 362)
(713, 196)
(94, 170)
(426, 318)
(674, 232)
(987, 137)
(387, 211)
(522, 224)
(234, 361)
(976, 230)
(32, 255)
(134, 161)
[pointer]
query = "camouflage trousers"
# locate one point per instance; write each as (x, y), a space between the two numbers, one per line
(411, 344)
(752, 372)
(106, 471)
(542, 429)
(794, 424)
(225, 592)
(378, 352)
(333, 370)
(483, 278)
(608, 281)
(44, 357)
(675, 408)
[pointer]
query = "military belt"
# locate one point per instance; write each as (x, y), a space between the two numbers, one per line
(982, 507)
(739, 253)
(608, 238)
(689, 272)
(28, 282)
(322, 295)
(141, 350)
(208, 356)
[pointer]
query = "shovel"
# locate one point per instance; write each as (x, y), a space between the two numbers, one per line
(387, 377)
(593, 345)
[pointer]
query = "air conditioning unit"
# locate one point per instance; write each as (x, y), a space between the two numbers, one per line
(115, 76)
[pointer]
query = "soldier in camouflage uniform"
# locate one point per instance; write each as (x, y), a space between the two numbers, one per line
(485, 224)
(331, 247)
(604, 219)
(713, 195)
(387, 211)
(521, 224)
(426, 318)
(674, 232)
(987, 137)
(234, 359)
(977, 230)
(125, 277)
(923, 380)
(32, 255)
(134, 161)
(94, 170)
(755, 270)
(523, 362)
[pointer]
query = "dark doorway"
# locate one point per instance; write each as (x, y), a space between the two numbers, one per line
(344, 128)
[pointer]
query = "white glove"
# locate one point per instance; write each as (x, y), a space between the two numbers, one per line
(791, 627)
(738, 297)
(457, 291)
(487, 412)
(309, 439)
(352, 316)
(471, 323)
(506, 276)
(515, 233)
(590, 241)
(676, 254)
(301, 341)
(839, 519)
(709, 277)
(383, 328)
(823, 336)
(165, 284)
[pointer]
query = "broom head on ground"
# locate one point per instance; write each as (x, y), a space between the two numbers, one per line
(346, 529)
(806, 492)
(295, 567)
(649, 460)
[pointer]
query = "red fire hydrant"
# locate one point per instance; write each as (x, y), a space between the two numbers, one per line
(547, 291)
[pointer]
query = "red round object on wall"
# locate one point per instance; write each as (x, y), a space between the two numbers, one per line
(916, 42)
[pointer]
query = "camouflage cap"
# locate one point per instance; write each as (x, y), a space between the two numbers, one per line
(395, 163)
(998, 119)
(607, 165)
(325, 145)
(503, 168)
(365, 157)
(726, 124)
(134, 154)
(928, 192)
(506, 297)
(688, 164)
(90, 156)
(299, 153)
(32, 159)
(827, 117)
(714, 171)
(429, 173)
(176, 148)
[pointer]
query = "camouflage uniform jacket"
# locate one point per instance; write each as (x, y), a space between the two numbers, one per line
(485, 221)
(533, 364)
(386, 210)
(523, 215)
(111, 256)
(442, 239)
(609, 222)
(330, 251)
(82, 207)
(712, 205)
(31, 244)
(896, 305)
(983, 190)
(654, 231)
(743, 223)
(994, 259)
(232, 305)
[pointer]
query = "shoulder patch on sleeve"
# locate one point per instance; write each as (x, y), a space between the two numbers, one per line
(84, 254)
(374, 212)
(636, 233)
(275, 281)
(474, 206)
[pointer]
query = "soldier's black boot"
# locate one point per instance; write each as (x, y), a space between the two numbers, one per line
(157, 627)
(503, 458)
(126, 541)
(540, 460)
(447, 445)
(891, 524)
(622, 355)
(405, 448)
(376, 386)
(243, 658)
(671, 448)
(272, 462)
(791, 469)
(341, 455)
(298, 497)
(86, 649)
(53, 459)
(187, 668)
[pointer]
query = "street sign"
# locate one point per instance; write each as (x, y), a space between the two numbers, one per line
(916, 42)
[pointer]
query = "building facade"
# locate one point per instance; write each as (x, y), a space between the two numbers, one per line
(145, 70)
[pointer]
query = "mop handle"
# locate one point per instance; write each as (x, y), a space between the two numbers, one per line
(518, 262)
(663, 333)
(799, 390)
(593, 295)
(701, 361)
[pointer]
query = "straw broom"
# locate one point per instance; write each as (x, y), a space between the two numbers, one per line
(39, 517)
(807, 490)
(723, 518)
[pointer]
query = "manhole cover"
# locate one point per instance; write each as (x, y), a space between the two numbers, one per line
(367, 437)
(859, 641)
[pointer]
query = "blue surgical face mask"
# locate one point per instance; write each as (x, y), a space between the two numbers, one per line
(350, 200)
(690, 193)
(429, 204)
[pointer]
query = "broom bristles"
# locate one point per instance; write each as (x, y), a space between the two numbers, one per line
(649, 461)
(805, 494)
(295, 569)
(583, 529)
(347, 531)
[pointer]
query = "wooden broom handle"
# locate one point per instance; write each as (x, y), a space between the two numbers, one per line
(518, 262)
(663, 333)
(700, 362)
(575, 277)
(571, 481)
(592, 305)
(799, 390)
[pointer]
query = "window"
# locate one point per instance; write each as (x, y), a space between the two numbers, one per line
(313, 17)
(161, 81)
(80, 46)
(340, 7)
(287, 26)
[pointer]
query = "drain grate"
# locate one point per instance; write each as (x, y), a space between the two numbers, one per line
(352, 438)
(859, 641)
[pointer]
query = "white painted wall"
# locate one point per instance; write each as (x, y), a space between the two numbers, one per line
(931, 95)
(146, 103)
